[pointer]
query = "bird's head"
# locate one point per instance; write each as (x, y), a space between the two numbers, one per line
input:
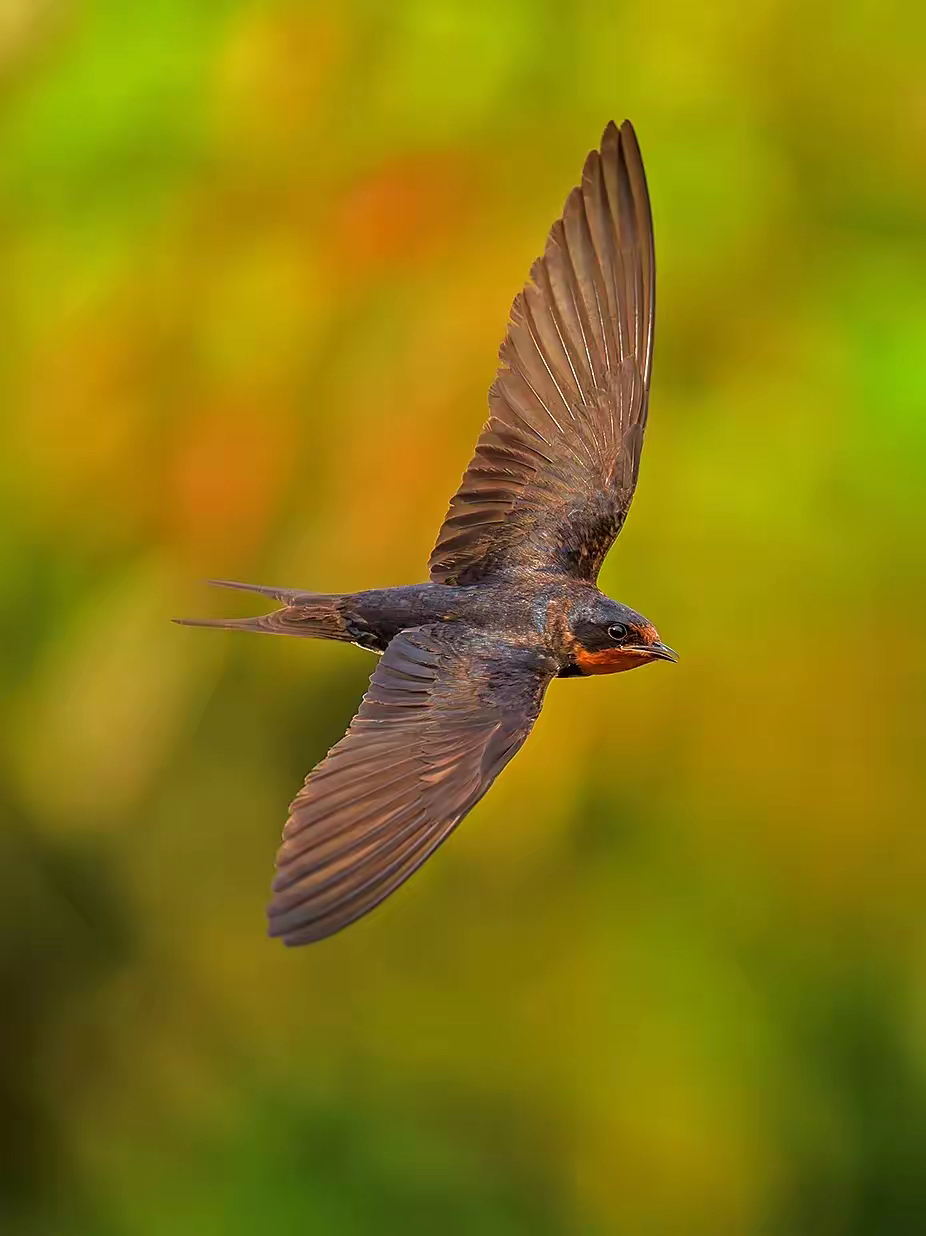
(605, 637)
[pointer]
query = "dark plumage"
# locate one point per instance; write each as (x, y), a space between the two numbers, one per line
(512, 601)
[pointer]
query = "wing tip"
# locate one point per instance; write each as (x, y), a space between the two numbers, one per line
(614, 134)
(614, 130)
(294, 937)
(627, 128)
(620, 142)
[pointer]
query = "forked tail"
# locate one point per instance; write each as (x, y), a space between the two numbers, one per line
(314, 614)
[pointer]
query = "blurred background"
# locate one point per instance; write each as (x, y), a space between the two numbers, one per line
(670, 977)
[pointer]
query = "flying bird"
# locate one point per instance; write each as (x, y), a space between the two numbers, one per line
(511, 602)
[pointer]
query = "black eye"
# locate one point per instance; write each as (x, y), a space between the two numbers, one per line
(617, 632)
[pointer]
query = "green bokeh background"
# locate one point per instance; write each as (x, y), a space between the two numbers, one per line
(670, 978)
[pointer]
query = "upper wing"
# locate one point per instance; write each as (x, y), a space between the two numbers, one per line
(444, 713)
(556, 465)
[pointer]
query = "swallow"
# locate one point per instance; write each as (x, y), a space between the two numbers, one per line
(511, 602)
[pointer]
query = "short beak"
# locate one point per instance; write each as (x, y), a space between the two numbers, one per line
(663, 651)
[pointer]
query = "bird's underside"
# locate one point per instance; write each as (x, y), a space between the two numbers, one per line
(511, 602)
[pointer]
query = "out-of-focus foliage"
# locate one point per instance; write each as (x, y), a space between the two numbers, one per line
(255, 263)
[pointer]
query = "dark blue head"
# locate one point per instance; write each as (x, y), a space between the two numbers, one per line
(606, 637)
